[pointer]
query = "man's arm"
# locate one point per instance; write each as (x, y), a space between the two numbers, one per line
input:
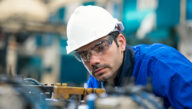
(171, 76)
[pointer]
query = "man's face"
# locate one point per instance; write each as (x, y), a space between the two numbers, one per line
(105, 58)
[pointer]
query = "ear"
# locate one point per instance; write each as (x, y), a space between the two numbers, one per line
(122, 42)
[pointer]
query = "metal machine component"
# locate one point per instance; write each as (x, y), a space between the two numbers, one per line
(65, 92)
(14, 92)
(134, 97)
(30, 94)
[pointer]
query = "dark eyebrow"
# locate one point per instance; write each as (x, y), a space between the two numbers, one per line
(97, 44)
(82, 51)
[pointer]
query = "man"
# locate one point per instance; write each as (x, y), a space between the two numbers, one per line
(96, 39)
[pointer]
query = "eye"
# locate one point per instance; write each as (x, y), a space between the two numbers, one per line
(100, 47)
(83, 54)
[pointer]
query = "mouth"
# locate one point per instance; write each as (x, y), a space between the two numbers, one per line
(98, 72)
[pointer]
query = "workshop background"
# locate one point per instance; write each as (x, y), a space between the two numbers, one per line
(33, 33)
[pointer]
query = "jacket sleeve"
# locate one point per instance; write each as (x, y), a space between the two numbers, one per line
(171, 77)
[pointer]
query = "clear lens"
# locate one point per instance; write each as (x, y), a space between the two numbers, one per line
(97, 49)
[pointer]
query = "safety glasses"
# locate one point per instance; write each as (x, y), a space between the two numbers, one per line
(97, 50)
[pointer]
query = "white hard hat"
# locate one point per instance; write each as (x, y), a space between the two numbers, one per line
(87, 24)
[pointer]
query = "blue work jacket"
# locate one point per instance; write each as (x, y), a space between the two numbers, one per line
(169, 70)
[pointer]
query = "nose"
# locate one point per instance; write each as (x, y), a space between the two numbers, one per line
(94, 59)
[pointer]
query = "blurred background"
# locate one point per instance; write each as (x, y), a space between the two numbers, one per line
(33, 33)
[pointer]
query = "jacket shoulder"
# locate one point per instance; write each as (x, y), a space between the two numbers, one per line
(155, 50)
